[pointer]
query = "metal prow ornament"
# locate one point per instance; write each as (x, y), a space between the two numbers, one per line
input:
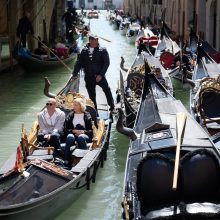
(129, 132)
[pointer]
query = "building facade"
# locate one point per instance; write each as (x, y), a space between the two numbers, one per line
(181, 15)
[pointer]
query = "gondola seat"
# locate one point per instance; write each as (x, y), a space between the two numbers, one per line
(154, 182)
(200, 176)
(198, 188)
(85, 158)
(167, 60)
(43, 154)
(209, 103)
(135, 83)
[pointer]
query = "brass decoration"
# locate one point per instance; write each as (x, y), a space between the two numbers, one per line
(138, 69)
(66, 101)
(210, 83)
(207, 85)
(136, 84)
(32, 137)
(96, 141)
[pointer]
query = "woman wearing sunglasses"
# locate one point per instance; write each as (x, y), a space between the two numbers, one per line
(51, 121)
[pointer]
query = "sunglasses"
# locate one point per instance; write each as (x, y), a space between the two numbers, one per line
(49, 103)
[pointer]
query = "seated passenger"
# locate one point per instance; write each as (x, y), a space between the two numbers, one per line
(42, 49)
(61, 49)
(78, 128)
(51, 121)
(159, 76)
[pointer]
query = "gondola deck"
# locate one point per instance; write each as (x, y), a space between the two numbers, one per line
(149, 170)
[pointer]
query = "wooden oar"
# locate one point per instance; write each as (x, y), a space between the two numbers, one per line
(81, 29)
(180, 123)
(52, 53)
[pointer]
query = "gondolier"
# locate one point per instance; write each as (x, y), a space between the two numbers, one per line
(94, 60)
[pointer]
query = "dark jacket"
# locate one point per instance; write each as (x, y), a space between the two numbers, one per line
(96, 65)
(24, 26)
(68, 125)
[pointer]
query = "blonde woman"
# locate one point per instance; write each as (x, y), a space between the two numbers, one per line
(78, 128)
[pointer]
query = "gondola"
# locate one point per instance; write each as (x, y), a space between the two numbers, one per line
(186, 57)
(34, 63)
(116, 22)
(33, 184)
(152, 190)
(92, 14)
(131, 85)
(132, 32)
(204, 96)
(146, 38)
(211, 52)
(164, 42)
(123, 28)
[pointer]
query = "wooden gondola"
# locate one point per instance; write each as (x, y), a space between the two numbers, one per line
(132, 32)
(123, 28)
(92, 14)
(34, 63)
(186, 57)
(211, 52)
(162, 133)
(204, 96)
(147, 40)
(159, 44)
(131, 85)
(33, 184)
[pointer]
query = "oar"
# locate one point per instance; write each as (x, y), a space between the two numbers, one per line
(53, 53)
(81, 29)
(180, 123)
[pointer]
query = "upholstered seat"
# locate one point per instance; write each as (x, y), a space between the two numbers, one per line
(200, 176)
(154, 181)
(209, 103)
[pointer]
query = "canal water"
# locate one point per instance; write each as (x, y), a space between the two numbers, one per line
(21, 98)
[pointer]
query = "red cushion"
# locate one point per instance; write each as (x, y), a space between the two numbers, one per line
(167, 59)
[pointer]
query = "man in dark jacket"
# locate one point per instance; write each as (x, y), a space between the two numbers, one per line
(24, 26)
(70, 17)
(94, 60)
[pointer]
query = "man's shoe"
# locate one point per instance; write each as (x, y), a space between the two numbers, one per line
(67, 165)
(111, 108)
